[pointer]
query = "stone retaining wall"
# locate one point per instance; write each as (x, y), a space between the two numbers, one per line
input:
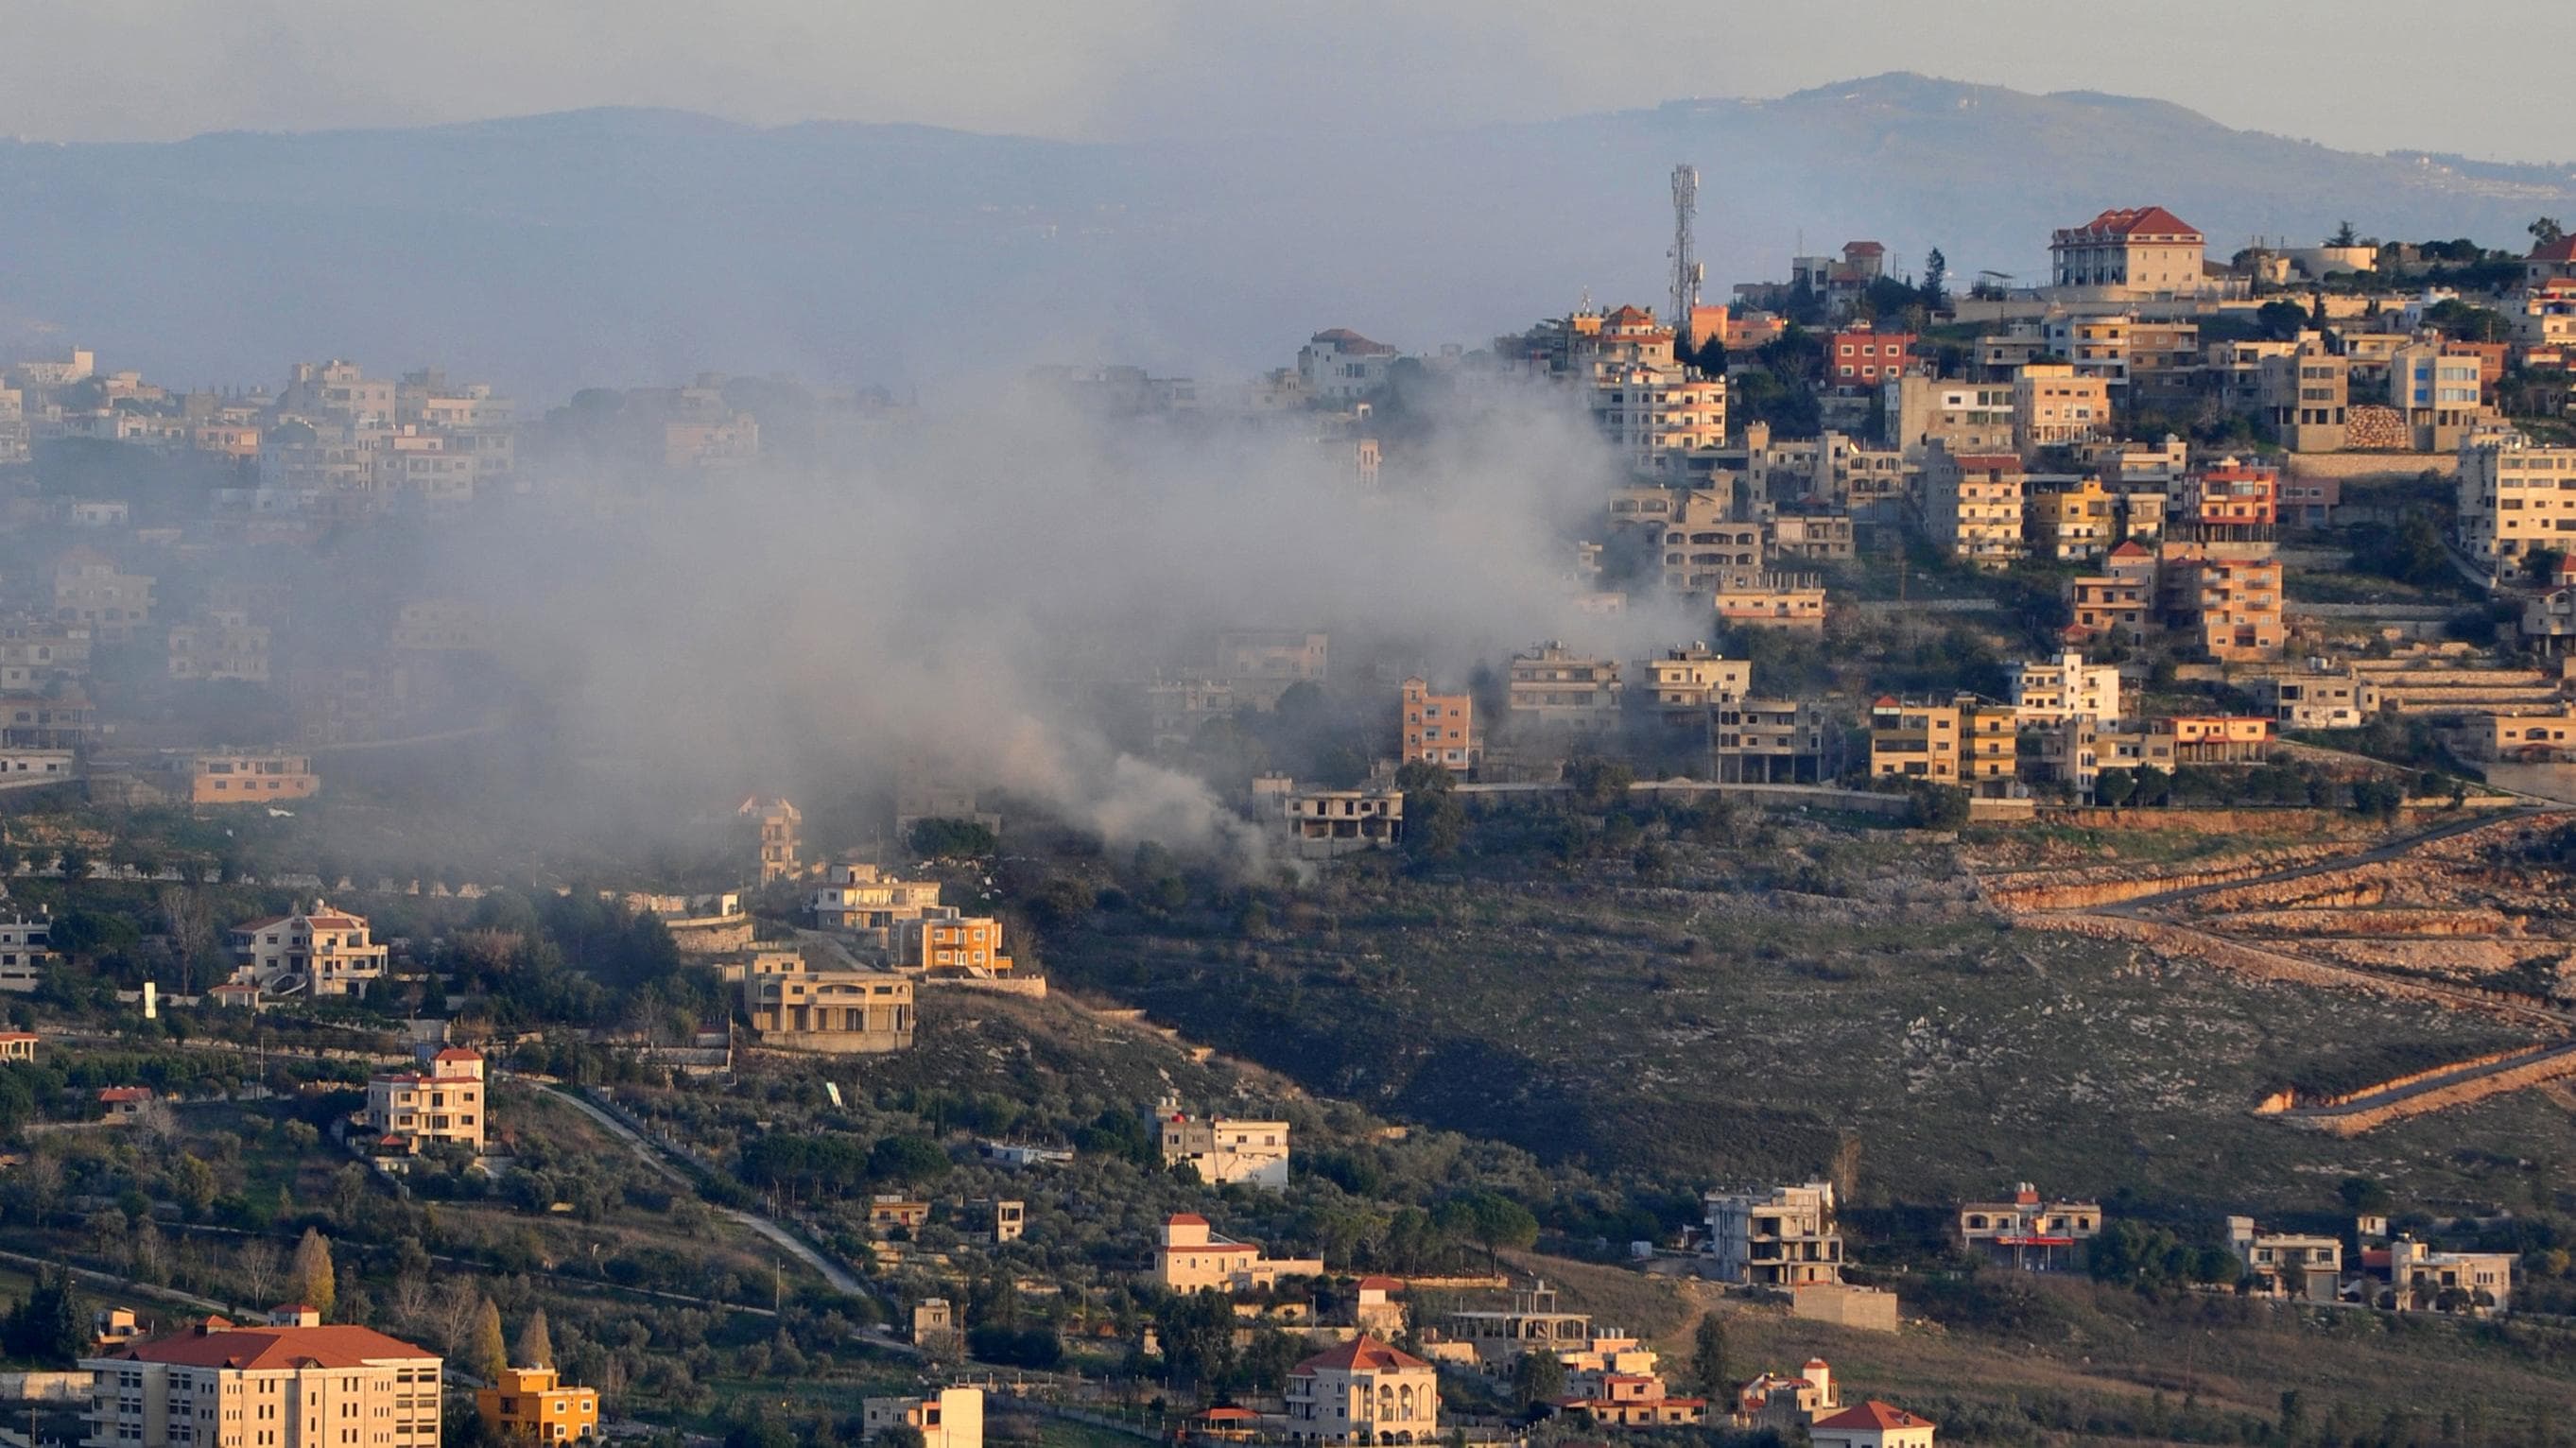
(2541, 1069)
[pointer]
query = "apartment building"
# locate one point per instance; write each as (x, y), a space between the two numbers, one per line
(244, 776)
(324, 951)
(1780, 1237)
(2230, 606)
(2119, 602)
(778, 827)
(35, 652)
(1820, 535)
(2514, 496)
(1438, 728)
(2141, 251)
(1865, 361)
(2317, 697)
(1972, 505)
(2070, 523)
(90, 590)
(1339, 366)
(2054, 406)
(1264, 663)
(1686, 683)
(794, 1007)
(535, 1405)
(1363, 1391)
(224, 646)
(1553, 687)
(1699, 539)
(443, 1104)
(2029, 1234)
(2287, 1264)
(1326, 824)
(943, 942)
(1654, 414)
(1770, 741)
(1968, 741)
(2438, 393)
(1762, 598)
(1965, 417)
(948, 1418)
(2049, 690)
(26, 952)
(2213, 738)
(63, 720)
(1192, 1258)
(1223, 1150)
(2232, 500)
(857, 895)
(2307, 396)
(289, 1383)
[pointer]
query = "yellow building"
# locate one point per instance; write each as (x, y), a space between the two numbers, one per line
(949, 1418)
(290, 1384)
(1760, 598)
(1363, 1392)
(780, 826)
(1968, 741)
(1689, 682)
(2514, 496)
(2055, 406)
(245, 776)
(1191, 1258)
(2071, 523)
(858, 896)
(1972, 505)
(530, 1405)
(793, 1007)
(1553, 686)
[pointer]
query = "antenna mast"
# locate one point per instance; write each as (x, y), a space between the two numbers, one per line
(1687, 272)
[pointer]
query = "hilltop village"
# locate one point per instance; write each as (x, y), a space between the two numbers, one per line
(2184, 636)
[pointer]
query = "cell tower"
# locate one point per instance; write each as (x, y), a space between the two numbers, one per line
(1687, 272)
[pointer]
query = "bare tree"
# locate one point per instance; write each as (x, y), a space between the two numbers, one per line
(411, 1298)
(258, 1262)
(191, 925)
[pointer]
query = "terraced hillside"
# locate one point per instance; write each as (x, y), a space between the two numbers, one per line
(1758, 1004)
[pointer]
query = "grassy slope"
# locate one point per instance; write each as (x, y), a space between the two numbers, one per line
(1712, 1031)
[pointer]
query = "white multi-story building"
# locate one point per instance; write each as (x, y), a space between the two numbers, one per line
(292, 1383)
(2053, 690)
(26, 953)
(1339, 366)
(2129, 252)
(1222, 1150)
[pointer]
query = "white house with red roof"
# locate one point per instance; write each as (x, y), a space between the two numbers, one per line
(442, 1102)
(321, 950)
(1191, 1257)
(1871, 1425)
(1339, 365)
(2136, 251)
(1363, 1391)
(291, 1381)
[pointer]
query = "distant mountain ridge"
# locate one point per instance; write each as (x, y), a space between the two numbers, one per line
(622, 246)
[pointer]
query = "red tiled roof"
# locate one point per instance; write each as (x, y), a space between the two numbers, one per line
(1383, 1284)
(1185, 1219)
(2131, 548)
(2130, 221)
(124, 1093)
(458, 1053)
(1360, 1354)
(15, 1036)
(1228, 1414)
(219, 1344)
(1350, 341)
(1863, 248)
(2563, 249)
(1873, 1414)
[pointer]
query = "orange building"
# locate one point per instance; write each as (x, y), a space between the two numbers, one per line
(530, 1405)
(1855, 361)
(947, 943)
(1439, 728)
(244, 777)
(2233, 495)
(2215, 738)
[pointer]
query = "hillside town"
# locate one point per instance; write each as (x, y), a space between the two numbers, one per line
(838, 1111)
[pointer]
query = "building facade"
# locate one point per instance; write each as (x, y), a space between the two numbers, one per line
(292, 1383)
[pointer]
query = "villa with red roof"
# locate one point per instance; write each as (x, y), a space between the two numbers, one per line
(304, 1381)
(1363, 1391)
(1871, 1425)
(1192, 1258)
(322, 950)
(2139, 251)
(2550, 261)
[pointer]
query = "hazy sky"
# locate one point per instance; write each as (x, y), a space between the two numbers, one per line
(2361, 74)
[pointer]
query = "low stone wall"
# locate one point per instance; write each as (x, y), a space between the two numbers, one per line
(1032, 986)
(2372, 465)
(711, 937)
(2078, 890)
